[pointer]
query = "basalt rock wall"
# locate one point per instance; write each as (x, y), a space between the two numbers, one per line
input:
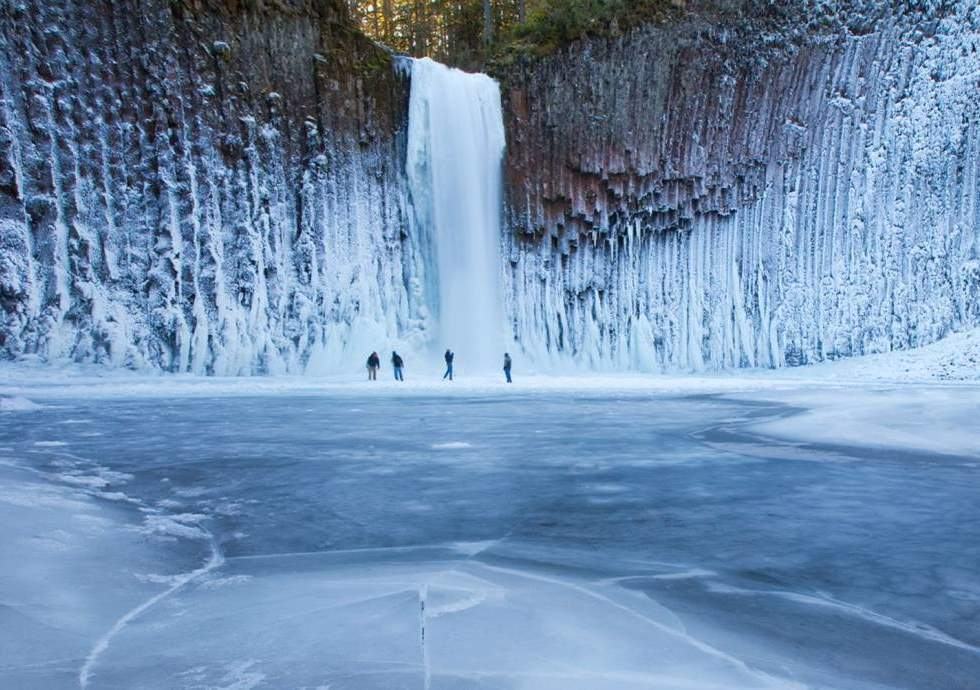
(199, 185)
(711, 194)
(218, 186)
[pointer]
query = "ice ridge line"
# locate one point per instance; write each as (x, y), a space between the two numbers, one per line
(85, 674)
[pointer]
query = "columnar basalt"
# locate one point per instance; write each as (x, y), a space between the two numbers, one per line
(217, 186)
(704, 195)
(199, 185)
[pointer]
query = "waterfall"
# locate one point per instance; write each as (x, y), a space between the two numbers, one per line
(455, 152)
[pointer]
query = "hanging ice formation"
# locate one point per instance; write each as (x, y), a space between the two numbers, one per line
(455, 150)
(691, 197)
(188, 189)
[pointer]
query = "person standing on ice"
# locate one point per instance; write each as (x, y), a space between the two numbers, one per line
(373, 364)
(397, 363)
(507, 364)
(449, 357)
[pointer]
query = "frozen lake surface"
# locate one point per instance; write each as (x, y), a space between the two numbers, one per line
(591, 539)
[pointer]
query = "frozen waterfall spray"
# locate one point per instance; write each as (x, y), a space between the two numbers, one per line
(455, 151)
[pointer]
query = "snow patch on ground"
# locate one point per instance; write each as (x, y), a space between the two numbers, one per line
(17, 404)
(837, 406)
(919, 418)
(954, 358)
(185, 525)
(156, 579)
(217, 582)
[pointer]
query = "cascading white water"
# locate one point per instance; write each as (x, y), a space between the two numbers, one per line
(455, 150)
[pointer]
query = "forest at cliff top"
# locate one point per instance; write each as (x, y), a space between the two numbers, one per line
(475, 33)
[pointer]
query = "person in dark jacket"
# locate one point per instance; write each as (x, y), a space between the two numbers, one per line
(507, 364)
(373, 364)
(449, 357)
(397, 363)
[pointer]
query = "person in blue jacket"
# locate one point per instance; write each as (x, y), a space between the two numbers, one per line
(397, 363)
(449, 357)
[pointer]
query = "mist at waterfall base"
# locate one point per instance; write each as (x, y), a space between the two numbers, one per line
(455, 150)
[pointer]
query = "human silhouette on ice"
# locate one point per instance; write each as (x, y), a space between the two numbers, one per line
(373, 364)
(397, 363)
(507, 363)
(449, 357)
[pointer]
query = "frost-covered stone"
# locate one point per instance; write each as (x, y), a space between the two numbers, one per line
(221, 49)
(699, 196)
(221, 188)
(163, 203)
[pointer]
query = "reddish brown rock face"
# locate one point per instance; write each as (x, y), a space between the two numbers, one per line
(699, 195)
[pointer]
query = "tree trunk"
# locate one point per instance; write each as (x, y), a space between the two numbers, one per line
(388, 33)
(421, 28)
(487, 22)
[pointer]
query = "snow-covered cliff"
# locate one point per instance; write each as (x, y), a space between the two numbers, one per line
(200, 185)
(705, 195)
(221, 187)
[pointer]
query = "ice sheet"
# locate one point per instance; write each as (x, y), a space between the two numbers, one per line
(921, 418)
(573, 537)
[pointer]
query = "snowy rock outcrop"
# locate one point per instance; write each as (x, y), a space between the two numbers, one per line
(200, 185)
(706, 195)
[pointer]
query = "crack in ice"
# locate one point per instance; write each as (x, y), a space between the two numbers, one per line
(85, 674)
(915, 628)
(426, 667)
(679, 634)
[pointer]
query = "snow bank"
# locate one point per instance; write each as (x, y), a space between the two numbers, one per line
(17, 404)
(954, 358)
(901, 418)
(921, 400)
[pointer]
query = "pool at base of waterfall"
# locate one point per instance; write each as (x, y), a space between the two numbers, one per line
(494, 539)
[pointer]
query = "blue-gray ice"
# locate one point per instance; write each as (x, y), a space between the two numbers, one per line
(572, 541)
